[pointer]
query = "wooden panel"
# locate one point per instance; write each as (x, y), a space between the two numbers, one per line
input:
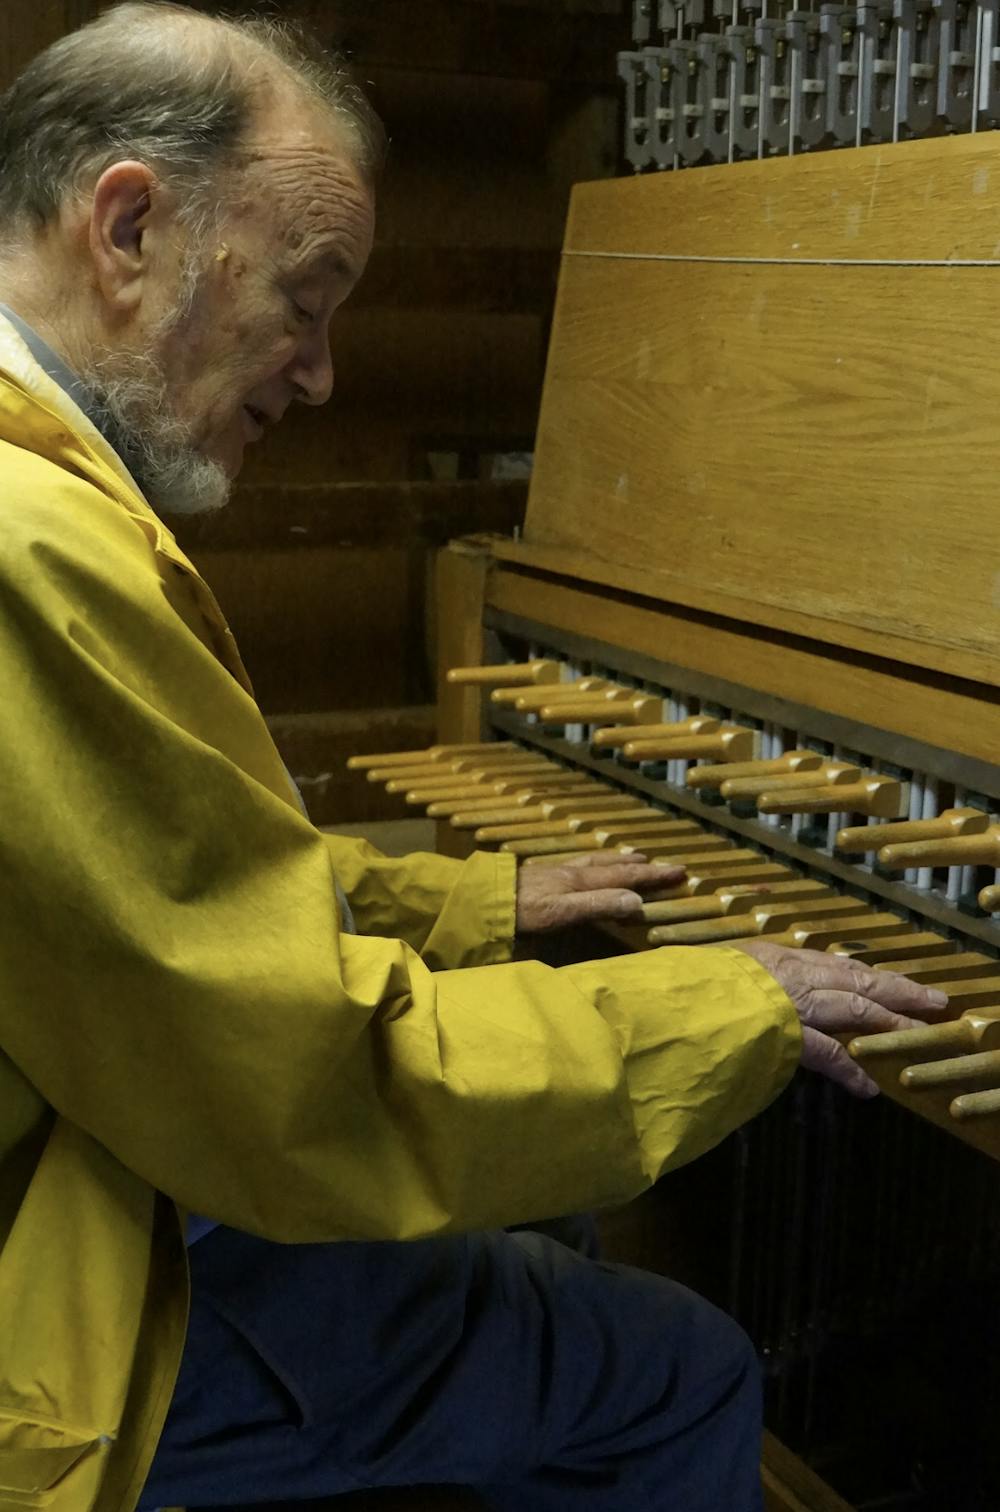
(460, 584)
(588, 567)
(931, 199)
(810, 447)
(960, 717)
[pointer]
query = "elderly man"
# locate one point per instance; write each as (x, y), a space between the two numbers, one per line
(209, 1007)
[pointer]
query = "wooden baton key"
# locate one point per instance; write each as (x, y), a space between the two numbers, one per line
(989, 899)
(976, 1105)
(530, 697)
(661, 843)
(555, 805)
(473, 789)
(692, 856)
(961, 850)
(431, 754)
(871, 837)
(717, 905)
(972, 1032)
(673, 906)
(521, 793)
(425, 790)
(496, 790)
(894, 947)
(619, 735)
(880, 796)
(943, 968)
(551, 853)
(831, 773)
(504, 674)
(771, 918)
(635, 708)
(701, 881)
(717, 868)
(950, 1072)
(728, 743)
(441, 770)
(970, 992)
(449, 771)
(598, 836)
(792, 761)
(818, 934)
(570, 824)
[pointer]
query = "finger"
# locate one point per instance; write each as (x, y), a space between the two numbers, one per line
(898, 992)
(599, 858)
(628, 874)
(841, 974)
(606, 903)
(852, 1012)
(823, 1054)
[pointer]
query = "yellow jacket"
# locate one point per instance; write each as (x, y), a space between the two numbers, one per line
(184, 1027)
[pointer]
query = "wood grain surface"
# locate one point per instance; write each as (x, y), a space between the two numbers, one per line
(963, 717)
(807, 446)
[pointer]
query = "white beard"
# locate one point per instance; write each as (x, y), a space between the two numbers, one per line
(131, 405)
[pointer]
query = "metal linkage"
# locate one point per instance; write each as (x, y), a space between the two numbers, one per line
(776, 93)
(633, 70)
(716, 64)
(841, 30)
(811, 51)
(642, 21)
(734, 79)
(956, 77)
(988, 80)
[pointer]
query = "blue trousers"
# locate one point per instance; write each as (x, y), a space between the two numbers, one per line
(508, 1362)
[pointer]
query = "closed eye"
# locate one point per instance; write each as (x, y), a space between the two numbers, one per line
(302, 315)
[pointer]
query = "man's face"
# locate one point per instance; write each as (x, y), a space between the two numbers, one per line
(257, 335)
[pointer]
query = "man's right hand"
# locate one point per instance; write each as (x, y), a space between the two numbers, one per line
(837, 995)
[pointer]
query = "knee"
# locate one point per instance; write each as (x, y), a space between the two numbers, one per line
(718, 1364)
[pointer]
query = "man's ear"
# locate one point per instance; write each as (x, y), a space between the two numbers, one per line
(120, 216)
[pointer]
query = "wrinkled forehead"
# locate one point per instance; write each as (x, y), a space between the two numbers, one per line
(305, 189)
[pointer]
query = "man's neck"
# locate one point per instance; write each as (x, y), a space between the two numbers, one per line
(33, 294)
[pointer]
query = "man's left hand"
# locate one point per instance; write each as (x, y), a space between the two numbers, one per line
(584, 890)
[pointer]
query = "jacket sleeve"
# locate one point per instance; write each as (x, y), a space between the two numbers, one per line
(453, 913)
(176, 983)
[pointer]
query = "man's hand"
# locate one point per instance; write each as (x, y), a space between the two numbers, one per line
(835, 995)
(591, 887)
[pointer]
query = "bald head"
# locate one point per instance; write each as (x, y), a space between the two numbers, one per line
(167, 86)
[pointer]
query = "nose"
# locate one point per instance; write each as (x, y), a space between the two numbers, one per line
(311, 368)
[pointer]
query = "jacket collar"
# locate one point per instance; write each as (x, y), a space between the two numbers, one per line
(52, 424)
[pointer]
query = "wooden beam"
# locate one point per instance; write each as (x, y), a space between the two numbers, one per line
(698, 437)
(461, 576)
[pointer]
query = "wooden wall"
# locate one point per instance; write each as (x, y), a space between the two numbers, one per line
(323, 561)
